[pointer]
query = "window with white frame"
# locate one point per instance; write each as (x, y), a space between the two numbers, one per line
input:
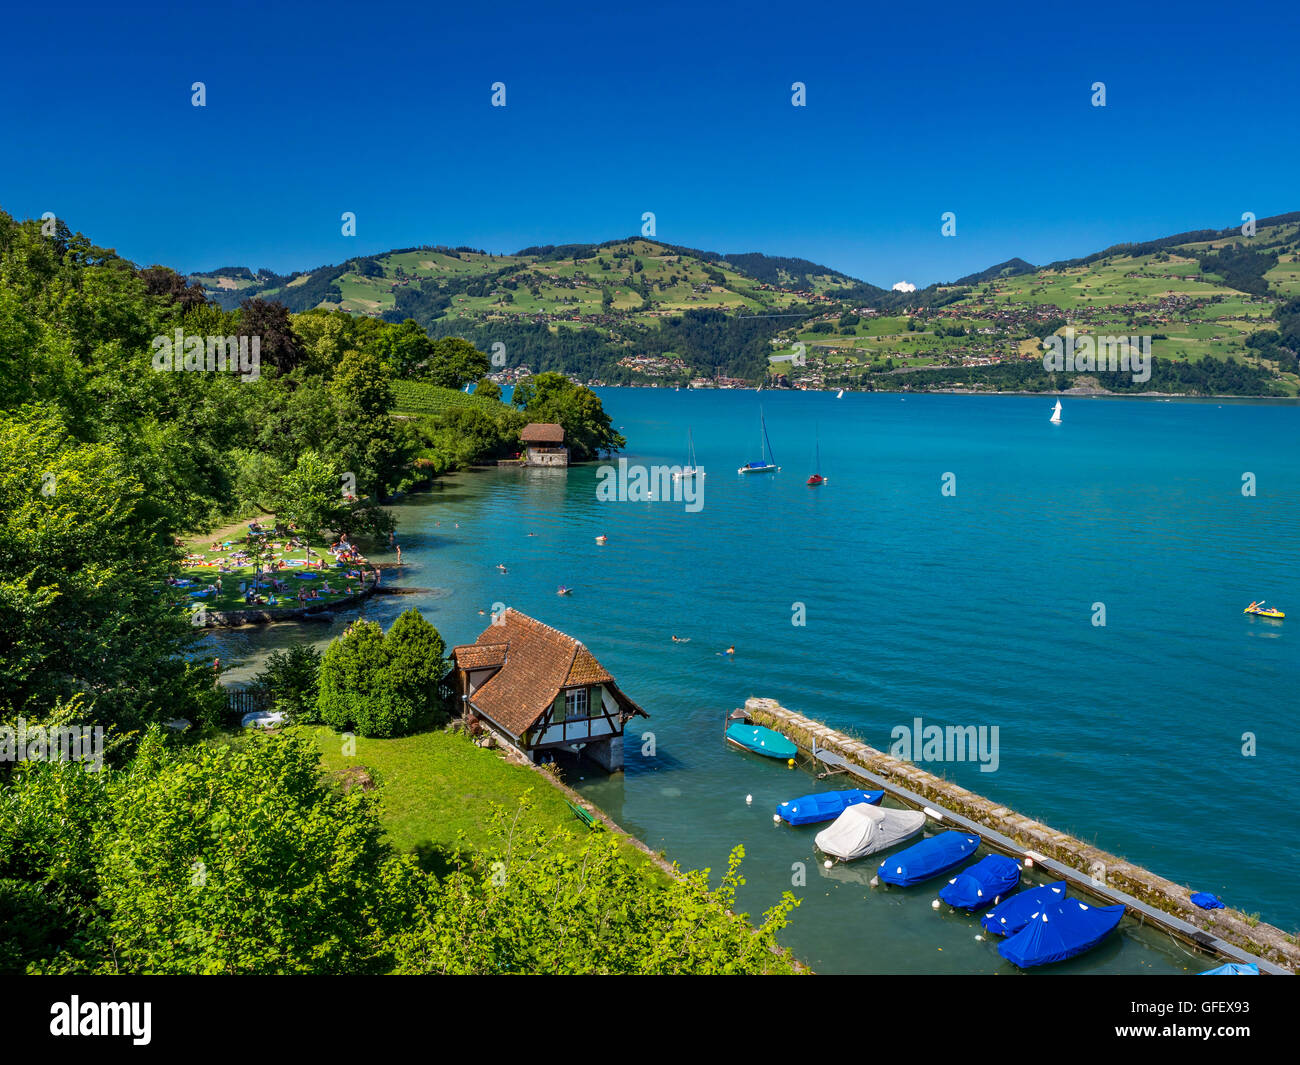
(575, 703)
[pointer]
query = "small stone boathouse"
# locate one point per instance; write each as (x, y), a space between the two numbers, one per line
(544, 444)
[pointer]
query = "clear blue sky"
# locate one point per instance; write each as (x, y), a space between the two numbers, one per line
(616, 109)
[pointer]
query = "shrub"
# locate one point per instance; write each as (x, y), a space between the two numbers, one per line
(348, 672)
(381, 685)
(292, 680)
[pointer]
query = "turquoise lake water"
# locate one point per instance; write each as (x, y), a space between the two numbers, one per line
(971, 609)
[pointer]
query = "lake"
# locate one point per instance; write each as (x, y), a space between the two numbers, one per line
(956, 567)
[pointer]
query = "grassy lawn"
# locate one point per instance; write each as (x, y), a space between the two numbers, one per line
(204, 566)
(435, 785)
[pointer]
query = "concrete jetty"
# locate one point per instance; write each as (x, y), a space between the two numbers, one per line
(1150, 898)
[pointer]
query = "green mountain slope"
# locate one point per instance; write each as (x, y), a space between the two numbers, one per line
(637, 309)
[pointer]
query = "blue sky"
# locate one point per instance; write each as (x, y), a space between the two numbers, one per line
(614, 110)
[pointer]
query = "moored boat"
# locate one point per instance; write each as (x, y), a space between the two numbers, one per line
(1059, 931)
(1012, 914)
(767, 463)
(761, 740)
(824, 806)
(862, 829)
(927, 859)
(983, 884)
(817, 477)
(692, 467)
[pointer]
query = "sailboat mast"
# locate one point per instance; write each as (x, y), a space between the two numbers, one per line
(770, 457)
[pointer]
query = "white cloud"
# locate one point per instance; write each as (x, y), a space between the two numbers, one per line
(904, 286)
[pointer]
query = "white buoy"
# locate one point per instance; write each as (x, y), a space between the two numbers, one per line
(934, 905)
(875, 881)
(979, 939)
(1029, 863)
(749, 798)
(776, 818)
(827, 863)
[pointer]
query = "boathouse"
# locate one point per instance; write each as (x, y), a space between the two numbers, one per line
(541, 690)
(544, 444)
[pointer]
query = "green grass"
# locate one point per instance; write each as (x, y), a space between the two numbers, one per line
(434, 786)
(229, 598)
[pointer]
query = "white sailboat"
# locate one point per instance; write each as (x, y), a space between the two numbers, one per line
(841, 394)
(767, 464)
(692, 467)
(1056, 414)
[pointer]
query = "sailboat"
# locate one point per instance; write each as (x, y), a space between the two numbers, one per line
(817, 477)
(841, 394)
(1056, 414)
(692, 467)
(767, 464)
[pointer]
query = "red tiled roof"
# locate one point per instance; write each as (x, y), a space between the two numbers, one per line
(479, 655)
(538, 662)
(542, 433)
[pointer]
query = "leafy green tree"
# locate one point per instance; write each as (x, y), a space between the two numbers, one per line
(416, 664)
(406, 347)
(84, 604)
(487, 388)
(552, 397)
(349, 676)
(455, 362)
(531, 906)
(217, 859)
(366, 443)
(311, 494)
(292, 679)
(383, 685)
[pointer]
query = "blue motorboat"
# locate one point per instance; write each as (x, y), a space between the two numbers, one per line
(761, 740)
(824, 806)
(983, 884)
(1011, 915)
(1059, 931)
(1233, 968)
(929, 858)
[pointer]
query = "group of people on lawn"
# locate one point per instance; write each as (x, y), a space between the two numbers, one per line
(343, 551)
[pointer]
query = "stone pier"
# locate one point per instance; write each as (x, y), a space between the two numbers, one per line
(1094, 869)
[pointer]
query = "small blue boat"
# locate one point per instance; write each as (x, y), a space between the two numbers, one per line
(1233, 968)
(761, 740)
(824, 806)
(983, 884)
(1059, 931)
(1011, 915)
(929, 858)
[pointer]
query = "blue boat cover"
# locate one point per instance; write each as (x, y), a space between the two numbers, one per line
(1234, 968)
(983, 884)
(824, 806)
(928, 859)
(1011, 915)
(1206, 901)
(762, 740)
(1059, 931)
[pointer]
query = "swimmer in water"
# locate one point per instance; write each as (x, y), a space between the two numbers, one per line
(730, 650)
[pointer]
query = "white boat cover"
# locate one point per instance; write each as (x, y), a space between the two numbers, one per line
(861, 830)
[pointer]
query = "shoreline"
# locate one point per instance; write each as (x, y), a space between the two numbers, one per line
(1080, 394)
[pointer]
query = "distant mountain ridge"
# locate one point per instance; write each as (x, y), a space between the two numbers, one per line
(626, 308)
